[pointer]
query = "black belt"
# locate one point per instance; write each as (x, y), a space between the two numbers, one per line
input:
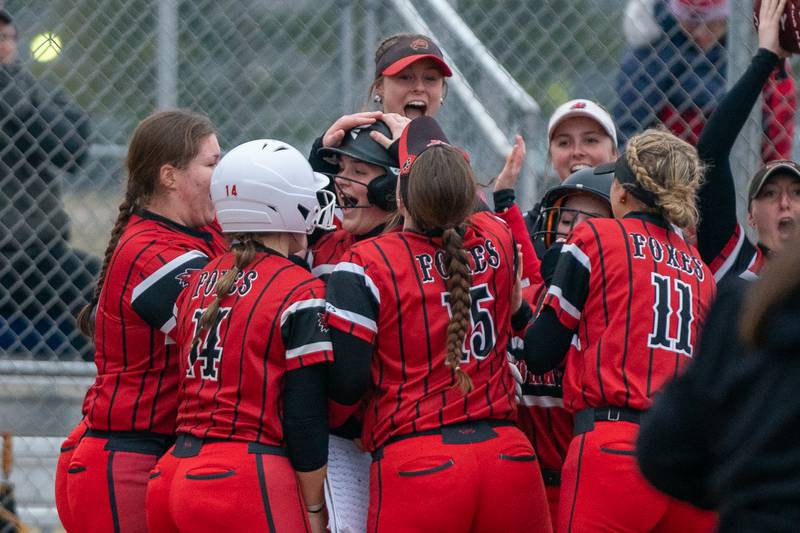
(460, 433)
(585, 419)
(551, 478)
(133, 441)
(187, 445)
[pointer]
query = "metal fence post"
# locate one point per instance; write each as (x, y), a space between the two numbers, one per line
(347, 55)
(746, 154)
(167, 53)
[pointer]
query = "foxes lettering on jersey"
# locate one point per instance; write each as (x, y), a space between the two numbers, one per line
(408, 308)
(232, 388)
(136, 383)
(637, 295)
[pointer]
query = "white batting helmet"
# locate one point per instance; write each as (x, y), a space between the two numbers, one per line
(267, 185)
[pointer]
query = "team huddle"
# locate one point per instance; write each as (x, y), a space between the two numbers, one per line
(255, 307)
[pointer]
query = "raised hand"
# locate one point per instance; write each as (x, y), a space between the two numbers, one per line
(507, 179)
(769, 20)
(335, 134)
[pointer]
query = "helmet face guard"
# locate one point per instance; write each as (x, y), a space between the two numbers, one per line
(595, 182)
(553, 217)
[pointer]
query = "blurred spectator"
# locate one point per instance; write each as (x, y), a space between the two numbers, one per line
(722, 435)
(674, 73)
(44, 280)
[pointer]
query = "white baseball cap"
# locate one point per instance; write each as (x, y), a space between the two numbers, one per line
(582, 108)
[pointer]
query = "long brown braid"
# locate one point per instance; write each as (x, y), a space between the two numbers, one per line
(244, 251)
(441, 196)
(166, 137)
(670, 169)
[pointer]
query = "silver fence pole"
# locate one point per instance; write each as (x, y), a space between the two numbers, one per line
(371, 39)
(167, 54)
(346, 39)
(746, 154)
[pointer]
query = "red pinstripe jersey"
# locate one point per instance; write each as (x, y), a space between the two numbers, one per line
(136, 384)
(541, 415)
(390, 291)
(270, 323)
(328, 250)
(738, 258)
(637, 295)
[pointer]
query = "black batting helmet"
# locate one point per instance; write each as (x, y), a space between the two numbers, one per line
(595, 181)
(358, 144)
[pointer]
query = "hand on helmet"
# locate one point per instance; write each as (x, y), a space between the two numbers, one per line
(335, 134)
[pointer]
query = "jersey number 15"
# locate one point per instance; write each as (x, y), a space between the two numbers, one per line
(481, 336)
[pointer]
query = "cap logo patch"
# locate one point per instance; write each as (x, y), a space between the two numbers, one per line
(419, 44)
(578, 105)
(354, 132)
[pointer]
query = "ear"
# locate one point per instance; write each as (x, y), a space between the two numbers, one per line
(166, 176)
(377, 87)
(751, 221)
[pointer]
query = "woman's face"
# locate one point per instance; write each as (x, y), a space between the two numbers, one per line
(577, 208)
(580, 142)
(193, 183)
(358, 216)
(775, 211)
(416, 91)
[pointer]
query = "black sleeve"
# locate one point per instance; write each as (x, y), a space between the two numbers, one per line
(503, 199)
(305, 417)
(349, 374)
(717, 196)
(546, 342)
(317, 162)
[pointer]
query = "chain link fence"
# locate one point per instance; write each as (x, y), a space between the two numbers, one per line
(89, 70)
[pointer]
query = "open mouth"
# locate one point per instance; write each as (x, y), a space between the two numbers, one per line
(415, 108)
(787, 225)
(346, 201)
(578, 166)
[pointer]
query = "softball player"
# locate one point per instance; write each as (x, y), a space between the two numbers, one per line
(541, 413)
(252, 430)
(773, 199)
(409, 81)
(420, 318)
(161, 235)
(365, 184)
(631, 296)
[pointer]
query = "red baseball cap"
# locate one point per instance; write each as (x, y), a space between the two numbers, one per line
(407, 49)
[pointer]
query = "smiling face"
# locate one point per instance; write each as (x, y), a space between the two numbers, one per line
(416, 91)
(351, 190)
(580, 142)
(775, 211)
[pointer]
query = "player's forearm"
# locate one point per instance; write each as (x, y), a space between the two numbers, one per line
(312, 487)
(305, 420)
